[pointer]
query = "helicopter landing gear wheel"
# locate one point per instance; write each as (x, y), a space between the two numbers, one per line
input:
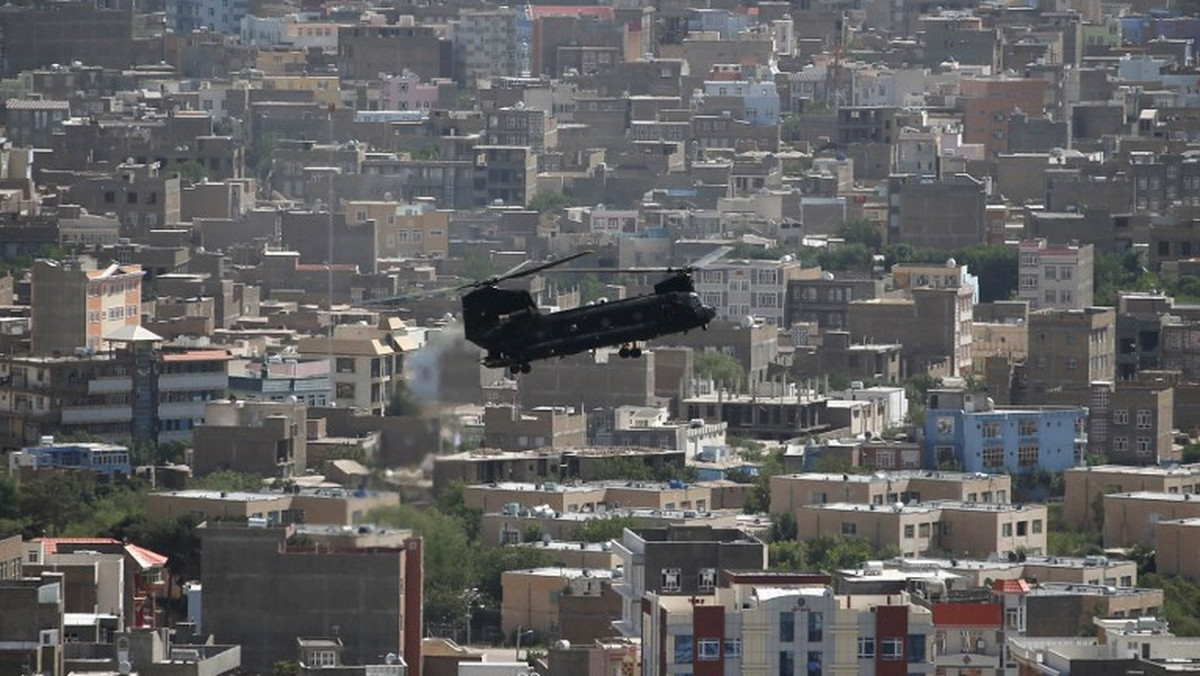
(624, 352)
(635, 352)
(525, 368)
(514, 369)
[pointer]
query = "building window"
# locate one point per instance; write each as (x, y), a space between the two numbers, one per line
(671, 579)
(1050, 272)
(683, 649)
(991, 430)
(787, 626)
(345, 391)
(345, 365)
(993, 457)
(1143, 419)
(916, 648)
(708, 649)
(1027, 456)
(866, 648)
(1120, 444)
(1144, 447)
(891, 649)
(1006, 530)
(707, 579)
(787, 663)
(1037, 526)
(1028, 427)
(1121, 416)
(733, 647)
(816, 627)
(849, 528)
(909, 532)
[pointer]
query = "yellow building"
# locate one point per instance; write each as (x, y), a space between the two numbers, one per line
(403, 230)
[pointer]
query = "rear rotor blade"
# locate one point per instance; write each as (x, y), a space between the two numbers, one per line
(710, 258)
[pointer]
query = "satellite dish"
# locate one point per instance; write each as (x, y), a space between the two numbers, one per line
(390, 658)
(124, 667)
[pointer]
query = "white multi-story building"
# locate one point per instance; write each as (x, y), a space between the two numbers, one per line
(753, 288)
(367, 361)
(784, 626)
(1055, 277)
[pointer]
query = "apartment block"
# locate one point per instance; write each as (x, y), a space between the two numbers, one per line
(777, 627)
(511, 429)
(1068, 351)
(264, 438)
(257, 592)
(740, 289)
(1055, 277)
(791, 491)
(679, 561)
(1131, 518)
(367, 361)
(76, 304)
(334, 506)
(1176, 542)
(964, 430)
(1086, 486)
(1132, 423)
(934, 326)
(31, 624)
(539, 600)
(917, 529)
(945, 215)
(403, 230)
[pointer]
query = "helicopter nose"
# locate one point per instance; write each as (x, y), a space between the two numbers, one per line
(707, 313)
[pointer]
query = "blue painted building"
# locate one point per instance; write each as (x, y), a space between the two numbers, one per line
(966, 431)
(111, 460)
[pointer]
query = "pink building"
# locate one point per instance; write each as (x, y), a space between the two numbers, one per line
(406, 92)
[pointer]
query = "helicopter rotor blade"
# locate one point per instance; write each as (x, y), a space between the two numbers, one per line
(415, 294)
(521, 271)
(710, 258)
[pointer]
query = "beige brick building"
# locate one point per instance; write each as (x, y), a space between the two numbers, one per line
(792, 491)
(1085, 485)
(1131, 518)
(1176, 547)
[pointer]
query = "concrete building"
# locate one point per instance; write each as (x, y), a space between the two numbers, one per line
(324, 506)
(510, 429)
(1085, 487)
(988, 105)
(918, 529)
(1054, 277)
(965, 431)
(1132, 423)
(740, 289)
(403, 230)
(946, 215)
(772, 413)
(786, 624)
(131, 392)
(1176, 542)
(1068, 351)
(791, 491)
(651, 427)
(680, 562)
(1131, 518)
(488, 44)
(76, 304)
(365, 51)
(277, 379)
(538, 600)
(143, 196)
(30, 122)
(826, 300)
(109, 460)
(219, 16)
(934, 327)
(31, 624)
(267, 439)
(257, 592)
(367, 361)
(98, 34)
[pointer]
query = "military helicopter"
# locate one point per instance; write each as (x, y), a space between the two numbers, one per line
(509, 326)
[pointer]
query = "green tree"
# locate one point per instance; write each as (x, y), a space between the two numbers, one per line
(192, 172)
(549, 202)
(603, 530)
(623, 468)
(51, 500)
(720, 367)
(229, 481)
(849, 256)
(791, 129)
(860, 231)
(477, 266)
(495, 561)
(996, 267)
(450, 557)
(784, 527)
(429, 152)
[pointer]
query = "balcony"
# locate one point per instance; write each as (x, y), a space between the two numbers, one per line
(972, 660)
(193, 381)
(109, 385)
(84, 415)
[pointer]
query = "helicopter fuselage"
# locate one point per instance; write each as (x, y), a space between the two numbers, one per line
(514, 332)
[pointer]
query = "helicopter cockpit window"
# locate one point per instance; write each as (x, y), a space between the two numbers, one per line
(694, 300)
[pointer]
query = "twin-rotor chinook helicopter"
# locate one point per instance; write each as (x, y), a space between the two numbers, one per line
(509, 326)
